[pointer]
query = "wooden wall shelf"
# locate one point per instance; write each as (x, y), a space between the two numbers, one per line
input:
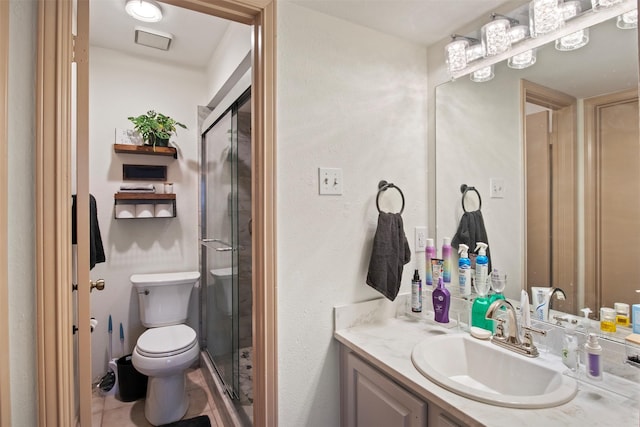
(146, 149)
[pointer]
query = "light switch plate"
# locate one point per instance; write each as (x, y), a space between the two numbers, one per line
(330, 181)
(496, 186)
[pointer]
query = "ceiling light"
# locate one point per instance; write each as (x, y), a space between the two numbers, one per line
(628, 20)
(522, 60)
(482, 75)
(144, 10)
(544, 17)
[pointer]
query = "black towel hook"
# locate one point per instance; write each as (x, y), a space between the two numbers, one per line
(383, 186)
(464, 188)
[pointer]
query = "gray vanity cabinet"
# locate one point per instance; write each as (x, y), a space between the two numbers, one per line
(369, 398)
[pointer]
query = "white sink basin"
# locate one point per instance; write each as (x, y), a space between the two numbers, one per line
(487, 373)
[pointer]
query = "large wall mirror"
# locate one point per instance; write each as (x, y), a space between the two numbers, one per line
(561, 140)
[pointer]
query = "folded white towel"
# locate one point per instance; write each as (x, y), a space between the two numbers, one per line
(137, 187)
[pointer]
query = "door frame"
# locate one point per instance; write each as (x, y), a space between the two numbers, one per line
(564, 194)
(53, 210)
(592, 273)
(5, 380)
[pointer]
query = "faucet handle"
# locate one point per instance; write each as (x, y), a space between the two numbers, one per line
(534, 330)
(560, 319)
(499, 329)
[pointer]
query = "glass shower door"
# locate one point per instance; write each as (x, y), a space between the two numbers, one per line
(220, 247)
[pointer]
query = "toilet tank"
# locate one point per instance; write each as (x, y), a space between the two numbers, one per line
(164, 297)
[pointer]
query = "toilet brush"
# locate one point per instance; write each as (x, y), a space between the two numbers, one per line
(110, 338)
(121, 339)
(108, 383)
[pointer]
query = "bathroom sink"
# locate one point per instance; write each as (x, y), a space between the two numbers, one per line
(487, 373)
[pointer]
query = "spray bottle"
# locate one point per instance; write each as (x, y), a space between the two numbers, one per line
(446, 256)
(481, 303)
(482, 267)
(416, 293)
(430, 252)
(464, 270)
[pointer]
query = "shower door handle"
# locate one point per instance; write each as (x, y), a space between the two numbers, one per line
(223, 249)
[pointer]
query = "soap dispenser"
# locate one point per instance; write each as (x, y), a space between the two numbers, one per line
(593, 359)
(498, 283)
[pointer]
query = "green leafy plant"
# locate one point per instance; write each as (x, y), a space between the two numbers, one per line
(155, 128)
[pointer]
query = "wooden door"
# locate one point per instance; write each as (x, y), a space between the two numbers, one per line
(538, 199)
(611, 196)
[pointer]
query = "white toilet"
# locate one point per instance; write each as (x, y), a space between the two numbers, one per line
(165, 350)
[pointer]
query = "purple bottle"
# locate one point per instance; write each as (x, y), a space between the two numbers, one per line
(441, 300)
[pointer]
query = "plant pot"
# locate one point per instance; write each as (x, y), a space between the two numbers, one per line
(158, 142)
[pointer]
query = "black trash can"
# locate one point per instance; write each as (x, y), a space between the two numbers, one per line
(132, 385)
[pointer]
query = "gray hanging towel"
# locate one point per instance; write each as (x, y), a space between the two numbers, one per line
(471, 230)
(96, 250)
(390, 253)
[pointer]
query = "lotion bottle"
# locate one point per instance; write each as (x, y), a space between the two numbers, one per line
(416, 293)
(594, 361)
(441, 300)
(464, 270)
(430, 253)
(446, 256)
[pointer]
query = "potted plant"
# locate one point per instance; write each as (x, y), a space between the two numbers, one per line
(155, 128)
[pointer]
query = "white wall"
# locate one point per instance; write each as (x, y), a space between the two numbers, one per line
(21, 198)
(234, 46)
(351, 98)
(122, 86)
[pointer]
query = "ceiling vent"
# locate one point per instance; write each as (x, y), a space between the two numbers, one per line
(153, 38)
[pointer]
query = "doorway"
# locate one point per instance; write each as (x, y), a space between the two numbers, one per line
(550, 179)
(53, 194)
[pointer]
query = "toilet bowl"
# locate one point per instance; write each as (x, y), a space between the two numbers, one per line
(165, 350)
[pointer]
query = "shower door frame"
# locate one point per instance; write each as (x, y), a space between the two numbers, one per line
(233, 388)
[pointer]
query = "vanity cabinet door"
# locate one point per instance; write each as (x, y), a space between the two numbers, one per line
(370, 399)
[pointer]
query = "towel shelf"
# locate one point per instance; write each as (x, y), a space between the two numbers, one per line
(156, 202)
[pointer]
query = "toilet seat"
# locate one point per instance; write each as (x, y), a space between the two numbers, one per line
(166, 341)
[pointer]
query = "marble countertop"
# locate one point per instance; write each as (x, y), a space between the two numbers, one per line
(381, 333)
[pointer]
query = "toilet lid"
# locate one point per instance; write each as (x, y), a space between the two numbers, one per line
(166, 341)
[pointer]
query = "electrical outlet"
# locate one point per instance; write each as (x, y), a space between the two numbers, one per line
(330, 181)
(421, 239)
(496, 186)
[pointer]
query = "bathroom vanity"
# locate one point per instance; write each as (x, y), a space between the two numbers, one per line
(381, 387)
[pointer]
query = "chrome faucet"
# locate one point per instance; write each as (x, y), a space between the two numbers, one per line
(511, 340)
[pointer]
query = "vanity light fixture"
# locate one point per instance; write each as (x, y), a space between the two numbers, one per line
(482, 75)
(544, 17)
(456, 52)
(628, 21)
(558, 21)
(522, 60)
(573, 41)
(603, 4)
(495, 35)
(144, 10)
(475, 51)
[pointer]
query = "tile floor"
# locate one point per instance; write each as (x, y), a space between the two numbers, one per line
(111, 412)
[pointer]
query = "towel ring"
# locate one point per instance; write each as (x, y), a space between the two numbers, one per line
(464, 189)
(383, 186)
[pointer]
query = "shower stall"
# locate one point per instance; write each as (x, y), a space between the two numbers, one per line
(225, 244)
